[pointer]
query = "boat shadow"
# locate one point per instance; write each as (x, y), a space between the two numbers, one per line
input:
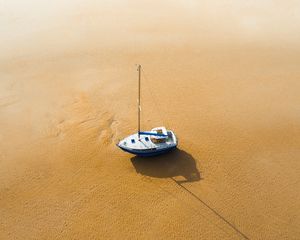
(175, 163)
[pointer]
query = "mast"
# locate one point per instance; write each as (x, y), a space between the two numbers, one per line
(139, 101)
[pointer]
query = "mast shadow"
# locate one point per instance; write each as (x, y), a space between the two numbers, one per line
(175, 163)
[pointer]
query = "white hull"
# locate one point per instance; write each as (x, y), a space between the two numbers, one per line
(149, 144)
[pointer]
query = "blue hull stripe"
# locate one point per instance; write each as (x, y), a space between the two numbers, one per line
(153, 134)
(147, 153)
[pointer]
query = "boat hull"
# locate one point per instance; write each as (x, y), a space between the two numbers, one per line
(151, 143)
(149, 153)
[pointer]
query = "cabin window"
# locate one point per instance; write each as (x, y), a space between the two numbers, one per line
(132, 141)
(147, 139)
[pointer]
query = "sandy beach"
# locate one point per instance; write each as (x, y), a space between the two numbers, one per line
(223, 75)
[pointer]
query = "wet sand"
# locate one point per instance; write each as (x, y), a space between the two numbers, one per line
(224, 76)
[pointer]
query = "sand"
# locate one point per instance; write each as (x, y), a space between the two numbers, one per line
(224, 76)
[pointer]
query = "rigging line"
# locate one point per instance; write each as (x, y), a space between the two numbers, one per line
(213, 210)
(154, 98)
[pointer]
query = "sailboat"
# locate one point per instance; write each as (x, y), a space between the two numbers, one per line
(148, 143)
